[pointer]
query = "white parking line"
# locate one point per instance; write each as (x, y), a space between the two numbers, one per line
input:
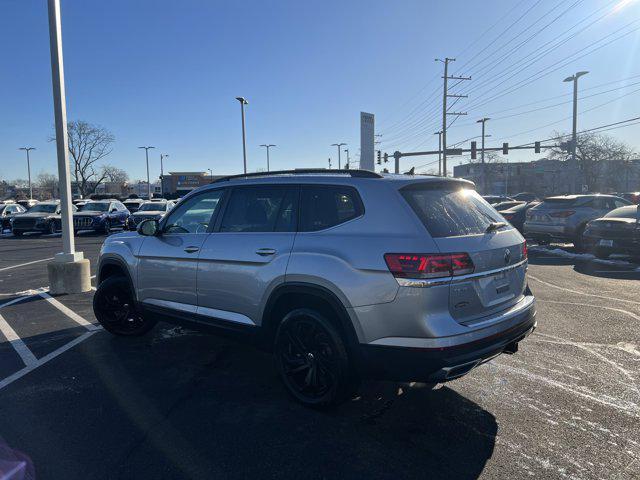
(25, 264)
(16, 342)
(68, 312)
(21, 373)
(579, 292)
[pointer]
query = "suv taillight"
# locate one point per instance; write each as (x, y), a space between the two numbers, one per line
(525, 251)
(413, 265)
(562, 214)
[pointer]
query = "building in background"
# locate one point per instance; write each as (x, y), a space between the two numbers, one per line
(140, 188)
(178, 184)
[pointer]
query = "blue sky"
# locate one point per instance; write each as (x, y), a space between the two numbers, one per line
(165, 73)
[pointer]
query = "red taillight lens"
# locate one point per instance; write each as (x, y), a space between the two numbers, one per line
(410, 265)
(525, 251)
(562, 214)
(508, 216)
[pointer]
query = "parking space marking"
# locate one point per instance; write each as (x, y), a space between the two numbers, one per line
(16, 342)
(25, 264)
(68, 312)
(50, 356)
(579, 292)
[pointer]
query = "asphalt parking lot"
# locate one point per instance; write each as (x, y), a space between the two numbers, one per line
(77, 403)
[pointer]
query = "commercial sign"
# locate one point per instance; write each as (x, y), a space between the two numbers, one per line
(367, 129)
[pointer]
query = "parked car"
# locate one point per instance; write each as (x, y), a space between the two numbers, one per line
(506, 205)
(616, 232)
(633, 197)
(516, 215)
(493, 199)
(565, 217)
(525, 196)
(27, 202)
(41, 218)
(7, 212)
(100, 216)
(133, 204)
(342, 275)
(154, 209)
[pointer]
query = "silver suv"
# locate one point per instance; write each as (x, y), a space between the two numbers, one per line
(566, 217)
(342, 274)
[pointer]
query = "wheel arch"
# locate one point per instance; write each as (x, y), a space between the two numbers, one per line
(114, 266)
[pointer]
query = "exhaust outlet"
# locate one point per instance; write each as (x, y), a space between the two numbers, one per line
(511, 348)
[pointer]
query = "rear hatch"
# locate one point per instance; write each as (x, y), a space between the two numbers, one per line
(555, 210)
(461, 222)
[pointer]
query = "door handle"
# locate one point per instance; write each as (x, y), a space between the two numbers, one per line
(264, 252)
(191, 249)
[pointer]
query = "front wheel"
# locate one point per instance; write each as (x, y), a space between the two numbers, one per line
(52, 227)
(17, 233)
(312, 359)
(107, 227)
(115, 309)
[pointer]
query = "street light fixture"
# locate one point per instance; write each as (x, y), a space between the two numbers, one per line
(574, 134)
(338, 145)
(146, 151)
(243, 102)
(162, 157)
(28, 149)
(268, 146)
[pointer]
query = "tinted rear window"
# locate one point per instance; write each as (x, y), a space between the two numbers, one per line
(325, 206)
(624, 212)
(562, 202)
(450, 212)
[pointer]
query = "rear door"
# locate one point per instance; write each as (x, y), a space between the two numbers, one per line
(459, 221)
(247, 254)
(168, 262)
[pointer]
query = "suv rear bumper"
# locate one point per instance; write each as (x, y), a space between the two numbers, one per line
(440, 364)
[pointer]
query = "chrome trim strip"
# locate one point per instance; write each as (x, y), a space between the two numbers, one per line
(181, 307)
(204, 311)
(432, 282)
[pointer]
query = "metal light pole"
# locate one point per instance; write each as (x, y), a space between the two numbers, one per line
(28, 149)
(146, 151)
(268, 146)
(162, 157)
(329, 163)
(482, 121)
(574, 133)
(210, 174)
(439, 152)
(346, 150)
(243, 102)
(69, 272)
(338, 145)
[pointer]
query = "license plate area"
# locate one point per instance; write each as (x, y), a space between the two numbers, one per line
(605, 243)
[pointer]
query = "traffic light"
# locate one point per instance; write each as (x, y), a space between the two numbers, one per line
(536, 147)
(379, 158)
(505, 148)
(474, 150)
(386, 157)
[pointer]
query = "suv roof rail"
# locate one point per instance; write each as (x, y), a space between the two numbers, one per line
(302, 171)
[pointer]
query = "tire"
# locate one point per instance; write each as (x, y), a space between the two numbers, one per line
(312, 360)
(106, 229)
(578, 241)
(17, 233)
(115, 309)
(52, 227)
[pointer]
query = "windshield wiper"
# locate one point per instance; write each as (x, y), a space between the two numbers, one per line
(494, 226)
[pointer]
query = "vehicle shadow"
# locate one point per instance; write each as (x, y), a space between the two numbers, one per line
(180, 404)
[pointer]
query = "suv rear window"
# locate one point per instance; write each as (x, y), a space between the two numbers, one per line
(450, 212)
(325, 206)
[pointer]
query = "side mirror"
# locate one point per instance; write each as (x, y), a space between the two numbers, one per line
(114, 210)
(149, 227)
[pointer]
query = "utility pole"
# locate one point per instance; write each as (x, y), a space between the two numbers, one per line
(348, 160)
(445, 112)
(28, 149)
(243, 102)
(162, 157)
(484, 171)
(574, 133)
(329, 163)
(439, 152)
(268, 146)
(146, 152)
(338, 145)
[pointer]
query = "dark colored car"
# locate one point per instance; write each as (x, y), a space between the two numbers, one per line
(133, 204)
(506, 205)
(493, 199)
(27, 203)
(153, 209)
(617, 232)
(7, 211)
(633, 197)
(100, 216)
(42, 218)
(525, 196)
(517, 214)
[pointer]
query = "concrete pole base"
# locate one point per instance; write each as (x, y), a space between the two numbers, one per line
(69, 277)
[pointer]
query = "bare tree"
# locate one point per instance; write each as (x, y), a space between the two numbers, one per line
(48, 182)
(88, 144)
(594, 152)
(115, 174)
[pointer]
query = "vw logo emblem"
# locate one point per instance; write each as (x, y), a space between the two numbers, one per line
(507, 256)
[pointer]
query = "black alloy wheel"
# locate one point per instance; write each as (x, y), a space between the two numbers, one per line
(52, 227)
(312, 359)
(115, 308)
(107, 227)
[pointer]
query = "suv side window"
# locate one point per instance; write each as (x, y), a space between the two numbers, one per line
(264, 208)
(619, 203)
(324, 206)
(195, 214)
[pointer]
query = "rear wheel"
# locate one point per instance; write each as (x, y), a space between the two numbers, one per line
(312, 359)
(115, 309)
(107, 227)
(578, 241)
(17, 233)
(52, 227)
